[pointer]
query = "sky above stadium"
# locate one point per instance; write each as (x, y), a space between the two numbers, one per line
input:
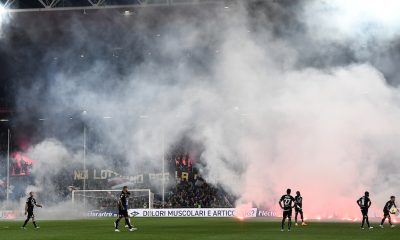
(298, 94)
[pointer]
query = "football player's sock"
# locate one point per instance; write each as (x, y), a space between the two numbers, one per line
(26, 221)
(128, 222)
(117, 222)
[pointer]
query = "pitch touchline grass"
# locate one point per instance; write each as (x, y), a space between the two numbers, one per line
(190, 229)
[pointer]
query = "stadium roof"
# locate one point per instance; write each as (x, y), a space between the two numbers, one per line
(57, 5)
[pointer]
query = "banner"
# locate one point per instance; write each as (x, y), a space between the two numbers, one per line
(102, 213)
(189, 212)
(193, 212)
(106, 174)
(266, 213)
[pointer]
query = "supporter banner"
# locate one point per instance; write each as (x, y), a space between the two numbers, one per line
(106, 174)
(193, 212)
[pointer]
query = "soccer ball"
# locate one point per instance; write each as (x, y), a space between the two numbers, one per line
(393, 210)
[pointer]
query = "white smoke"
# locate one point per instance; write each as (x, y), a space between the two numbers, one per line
(265, 123)
(340, 20)
(5, 18)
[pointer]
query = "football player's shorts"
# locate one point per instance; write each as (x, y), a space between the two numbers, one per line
(364, 211)
(287, 213)
(123, 213)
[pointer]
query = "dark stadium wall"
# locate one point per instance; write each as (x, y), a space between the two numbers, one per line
(277, 94)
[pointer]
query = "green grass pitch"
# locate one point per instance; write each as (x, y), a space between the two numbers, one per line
(190, 229)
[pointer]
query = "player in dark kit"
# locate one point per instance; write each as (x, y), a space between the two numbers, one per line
(29, 205)
(123, 209)
(386, 211)
(286, 203)
(364, 203)
(298, 208)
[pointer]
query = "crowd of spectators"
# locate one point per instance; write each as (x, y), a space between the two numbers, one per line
(185, 194)
(20, 167)
(191, 190)
(186, 190)
(197, 194)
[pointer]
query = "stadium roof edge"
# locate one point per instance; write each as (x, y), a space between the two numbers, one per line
(56, 5)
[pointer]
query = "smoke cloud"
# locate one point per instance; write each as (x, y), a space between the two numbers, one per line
(4, 20)
(276, 103)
